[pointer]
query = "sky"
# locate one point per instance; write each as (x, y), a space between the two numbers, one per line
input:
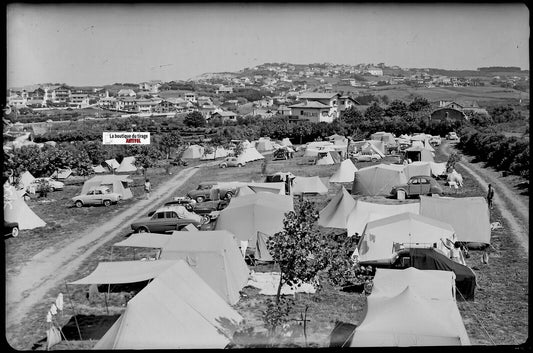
(103, 44)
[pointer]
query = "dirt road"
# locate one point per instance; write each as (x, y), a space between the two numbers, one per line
(50, 267)
(505, 199)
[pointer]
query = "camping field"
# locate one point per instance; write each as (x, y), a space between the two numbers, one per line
(498, 315)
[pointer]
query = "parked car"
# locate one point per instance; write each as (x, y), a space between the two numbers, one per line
(168, 218)
(178, 162)
(418, 185)
(231, 162)
(366, 156)
(11, 229)
(435, 140)
(203, 192)
(53, 184)
(97, 196)
(452, 136)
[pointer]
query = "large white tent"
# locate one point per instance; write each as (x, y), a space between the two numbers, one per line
(377, 180)
(345, 173)
(218, 152)
(16, 210)
(176, 310)
(309, 185)
(263, 145)
(117, 183)
(127, 165)
(250, 154)
(193, 152)
(365, 212)
(26, 179)
(336, 212)
(377, 244)
(417, 168)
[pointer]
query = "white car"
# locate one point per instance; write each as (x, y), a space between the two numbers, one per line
(452, 136)
(54, 184)
(435, 140)
(366, 156)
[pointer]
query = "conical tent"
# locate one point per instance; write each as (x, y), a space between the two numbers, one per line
(176, 310)
(336, 212)
(365, 212)
(469, 216)
(250, 154)
(16, 210)
(428, 323)
(117, 184)
(345, 173)
(377, 180)
(417, 168)
(309, 185)
(193, 152)
(419, 154)
(127, 165)
(249, 214)
(26, 179)
(376, 246)
(325, 158)
(286, 142)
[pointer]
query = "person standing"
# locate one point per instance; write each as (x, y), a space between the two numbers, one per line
(490, 196)
(147, 188)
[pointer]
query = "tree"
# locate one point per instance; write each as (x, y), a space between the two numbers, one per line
(419, 104)
(169, 140)
(396, 108)
(146, 156)
(374, 112)
(195, 119)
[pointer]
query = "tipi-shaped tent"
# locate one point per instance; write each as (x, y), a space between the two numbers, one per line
(286, 142)
(419, 154)
(345, 173)
(336, 212)
(309, 185)
(16, 210)
(328, 158)
(176, 310)
(365, 212)
(377, 180)
(250, 154)
(25, 180)
(377, 244)
(193, 152)
(417, 168)
(249, 214)
(127, 165)
(117, 184)
(469, 216)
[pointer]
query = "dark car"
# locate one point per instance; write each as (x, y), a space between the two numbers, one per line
(203, 192)
(168, 218)
(418, 185)
(11, 229)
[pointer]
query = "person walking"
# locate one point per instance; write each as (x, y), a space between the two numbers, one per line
(147, 188)
(490, 196)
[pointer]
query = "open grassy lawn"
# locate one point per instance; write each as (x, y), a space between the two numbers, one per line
(499, 310)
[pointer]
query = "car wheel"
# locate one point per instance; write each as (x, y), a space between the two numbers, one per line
(107, 203)
(200, 199)
(228, 196)
(52, 189)
(374, 159)
(15, 232)
(79, 204)
(239, 165)
(223, 166)
(142, 230)
(206, 219)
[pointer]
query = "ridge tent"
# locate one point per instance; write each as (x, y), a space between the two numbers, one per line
(336, 212)
(16, 210)
(419, 154)
(176, 310)
(264, 145)
(379, 145)
(193, 152)
(377, 243)
(368, 147)
(328, 158)
(250, 154)
(377, 180)
(338, 139)
(438, 169)
(469, 216)
(249, 214)
(430, 323)
(431, 259)
(25, 180)
(98, 169)
(127, 165)
(345, 173)
(274, 188)
(428, 284)
(218, 152)
(417, 168)
(314, 148)
(386, 137)
(365, 212)
(309, 185)
(112, 164)
(117, 184)
(213, 255)
(61, 173)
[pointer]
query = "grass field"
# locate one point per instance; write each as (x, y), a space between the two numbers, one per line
(499, 312)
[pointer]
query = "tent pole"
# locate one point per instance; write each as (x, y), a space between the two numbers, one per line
(105, 298)
(74, 310)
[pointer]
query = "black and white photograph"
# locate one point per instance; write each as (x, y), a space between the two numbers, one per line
(266, 175)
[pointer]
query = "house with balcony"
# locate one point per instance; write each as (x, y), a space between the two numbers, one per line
(150, 86)
(346, 102)
(224, 115)
(78, 100)
(126, 104)
(108, 103)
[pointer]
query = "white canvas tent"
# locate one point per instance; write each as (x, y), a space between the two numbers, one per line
(127, 165)
(372, 148)
(312, 150)
(419, 154)
(250, 154)
(429, 323)
(336, 212)
(286, 142)
(25, 180)
(249, 214)
(365, 212)
(309, 185)
(218, 152)
(117, 184)
(417, 168)
(377, 180)
(327, 158)
(469, 216)
(376, 246)
(16, 210)
(379, 145)
(264, 145)
(61, 173)
(98, 169)
(193, 152)
(177, 310)
(345, 173)
(385, 137)
(112, 164)
(438, 169)
(254, 188)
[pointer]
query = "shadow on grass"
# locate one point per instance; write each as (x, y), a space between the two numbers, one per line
(524, 187)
